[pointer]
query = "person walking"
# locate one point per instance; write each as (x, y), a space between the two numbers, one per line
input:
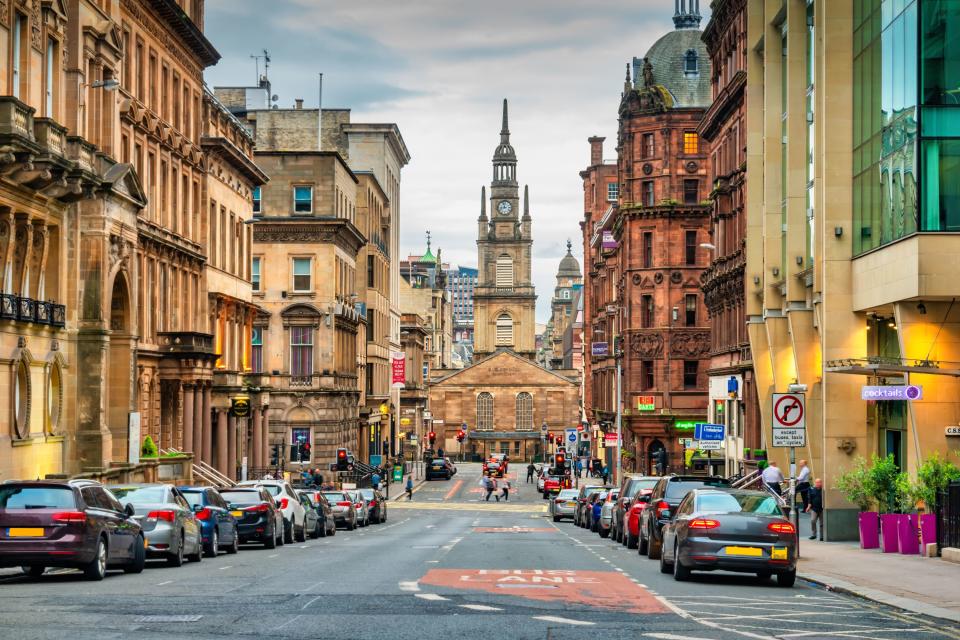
(530, 470)
(773, 477)
(577, 467)
(815, 496)
(375, 480)
(505, 486)
(495, 488)
(606, 473)
(489, 485)
(409, 487)
(803, 484)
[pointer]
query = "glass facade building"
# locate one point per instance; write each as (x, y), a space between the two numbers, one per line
(906, 119)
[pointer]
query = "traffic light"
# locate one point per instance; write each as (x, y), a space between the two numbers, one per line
(274, 455)
(559, 440)
(304, 451)
(461, 435)
(559, 460)
(341, 459)
(432, 436)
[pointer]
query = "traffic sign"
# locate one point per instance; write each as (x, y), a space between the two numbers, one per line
(789, 420)
(544, 428)
(789, 437)
(706, 431)
(571, 435)
(708, 445)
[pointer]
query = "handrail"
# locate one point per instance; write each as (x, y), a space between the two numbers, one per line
(205, 471)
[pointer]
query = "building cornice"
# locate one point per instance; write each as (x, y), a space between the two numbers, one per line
(231, 154)
(337, 231)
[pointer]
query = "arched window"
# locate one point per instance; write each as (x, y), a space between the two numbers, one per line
(484, 412)
(504, 330)
(21, 400)
(504, 271)
(690, 62)
(524, 411)
(54, 398)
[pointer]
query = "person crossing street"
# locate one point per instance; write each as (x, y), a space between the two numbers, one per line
(530, 470)
(409, 487)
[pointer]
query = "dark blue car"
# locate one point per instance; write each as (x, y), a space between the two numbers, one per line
(596, 506)
(217, 523)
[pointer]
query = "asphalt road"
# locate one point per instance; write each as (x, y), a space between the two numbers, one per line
(444, 565)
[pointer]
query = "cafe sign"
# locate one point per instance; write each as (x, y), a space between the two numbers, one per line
(646, 403)
(240, 406)
(892, 392)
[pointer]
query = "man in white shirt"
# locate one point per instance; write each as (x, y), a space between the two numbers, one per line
(772, 477)
(803, 483)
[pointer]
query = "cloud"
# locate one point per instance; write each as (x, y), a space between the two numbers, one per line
(439, 69)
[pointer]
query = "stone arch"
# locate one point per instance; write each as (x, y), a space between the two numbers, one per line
(485, 421)
(120, 360)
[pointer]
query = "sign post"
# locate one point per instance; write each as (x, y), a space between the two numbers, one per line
(790, 430)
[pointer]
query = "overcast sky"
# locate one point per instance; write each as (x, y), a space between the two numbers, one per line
(440, 69)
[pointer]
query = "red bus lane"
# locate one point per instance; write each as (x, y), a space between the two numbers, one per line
(605, 589)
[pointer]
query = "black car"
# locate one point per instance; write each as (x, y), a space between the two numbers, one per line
(664, 499)
(256, 514)
(217, 525)
(439, 468)
(376, 505)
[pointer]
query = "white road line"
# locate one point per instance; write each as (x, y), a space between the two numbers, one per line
(480, 607)
(274, 555)
(311, 602)
(670, 636)
(432, 561)
(229, 566)
(287, 622)
(305, 547)
(430, 596)
(560, 620)
(310, 588)
(160, 584)
(409, 586)
(713, 625)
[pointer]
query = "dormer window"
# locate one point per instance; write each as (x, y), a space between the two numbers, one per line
(690, 63)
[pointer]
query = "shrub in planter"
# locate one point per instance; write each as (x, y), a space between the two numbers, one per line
(760, 454)
(856, 486)
(148, 449)
(933, 476)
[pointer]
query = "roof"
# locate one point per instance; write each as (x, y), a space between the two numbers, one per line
(569, 266)
(668, 58)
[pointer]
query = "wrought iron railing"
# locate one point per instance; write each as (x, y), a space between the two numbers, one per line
(948, 517)
(23, 309)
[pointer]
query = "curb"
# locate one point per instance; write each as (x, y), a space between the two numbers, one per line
(882, 597)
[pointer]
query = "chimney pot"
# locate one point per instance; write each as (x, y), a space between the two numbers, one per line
(596, 150)
(298, 104)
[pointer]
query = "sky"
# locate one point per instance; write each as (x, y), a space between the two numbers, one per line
(440, 69)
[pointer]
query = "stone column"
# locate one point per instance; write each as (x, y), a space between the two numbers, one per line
(231, 463)
(265, 446)
(198, 422)
(256, 457)
(207, 425)
(188, 406)
(221, 458)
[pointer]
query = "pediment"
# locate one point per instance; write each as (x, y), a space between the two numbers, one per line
(122, 179)
(503, 367)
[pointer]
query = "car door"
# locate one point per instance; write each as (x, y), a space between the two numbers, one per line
(101, 516)
(227, 521)
(646, 515)
(669, 532)
(191, 525)
(125, 534)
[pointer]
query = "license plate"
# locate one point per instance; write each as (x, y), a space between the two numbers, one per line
(778, 554)
(237, 514)
(744, 551)
(25, 532)
(437, 468)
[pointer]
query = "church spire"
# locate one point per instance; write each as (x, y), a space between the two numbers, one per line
(505, 129)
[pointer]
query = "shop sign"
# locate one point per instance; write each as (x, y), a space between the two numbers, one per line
(240, 406)
(608, 241)
(952, 431)
(892, 392)
(600, 349)
(398, 367)
(646, 403)
(684, 425)
(405, 421)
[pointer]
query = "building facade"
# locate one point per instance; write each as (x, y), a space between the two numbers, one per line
(569, 281)
(414, 397)
(460, 285)
(423, 292)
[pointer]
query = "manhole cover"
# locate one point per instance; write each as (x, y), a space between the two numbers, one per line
(193, 618)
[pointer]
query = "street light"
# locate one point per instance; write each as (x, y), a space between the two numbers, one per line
(107, 85)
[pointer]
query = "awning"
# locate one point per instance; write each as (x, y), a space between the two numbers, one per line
(888, 367)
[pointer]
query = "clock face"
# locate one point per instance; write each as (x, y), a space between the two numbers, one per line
(504, 207)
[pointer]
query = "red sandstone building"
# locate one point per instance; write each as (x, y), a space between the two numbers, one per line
(732, 387)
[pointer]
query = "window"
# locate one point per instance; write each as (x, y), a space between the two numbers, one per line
(648, 249)
(646, 374)
(255, 274)
(370, 266)
(691, 191)
(50, 73)
(301, 352)
(524, 411)
(18, 26)
(646, 311)
(54, 398)
(370, 325)
(647, 193)
(691, 143)
(690, 250)
(301, 274)
(21, 400)
(256, 201)
(484, 412)
(369, 378)
(565, 294)
(298, 438)
(504, 276)
(649, 147)
(504, 330)
(303, 199)
(690, 302)
(690, 368)
(613, 191)
(256, 350)
(690, 62)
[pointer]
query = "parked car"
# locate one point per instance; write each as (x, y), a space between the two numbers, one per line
(344, 513)
(258, 518)
(328, 526)
(311, 521)
(606, 513)
(594, 506)
(502, 459)
(541, 478)
(172, 531)
(583, 496)
(493, 469)
(732, 530)
(289, 504)
(664, 498)
(439, 468)
(451, 465)
(624, 520)
(564, 505)
(218, 526)
(362, 506)
(376, 505)
(75, 524)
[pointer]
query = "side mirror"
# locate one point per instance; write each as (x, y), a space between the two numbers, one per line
(197, 508)
(128, 510)
(644, 499)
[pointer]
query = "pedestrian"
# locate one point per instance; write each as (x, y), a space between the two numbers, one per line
(605, 473)
(440, 452)
(268, 476)
(317, 477)
(505, 485)
(496, 488)
(577, 467)
(815, 495)
(660, 455)
(772, 477)
(306, 476)
(530, 470)
(803, 484)
(409, 487)
(489, 485)
(375, 480)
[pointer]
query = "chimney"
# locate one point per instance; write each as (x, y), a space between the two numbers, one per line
(298, 104)
(596, 150)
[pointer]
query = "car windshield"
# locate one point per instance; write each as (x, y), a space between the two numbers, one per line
(438, 461)
(601, 497)
(334, 497)
(642, 485)
(274, 489)
(568, 493)
(367, 493)
(738, 503)
(141, 495)
(679, 488)
(20, 497)
(241, 497)
(193, 497)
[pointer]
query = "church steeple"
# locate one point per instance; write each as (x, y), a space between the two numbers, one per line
(504, 157)
(505, 129)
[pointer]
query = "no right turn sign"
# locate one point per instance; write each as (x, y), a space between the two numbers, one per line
(789, 420)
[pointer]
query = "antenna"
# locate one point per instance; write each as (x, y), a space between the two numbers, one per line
(266, 64)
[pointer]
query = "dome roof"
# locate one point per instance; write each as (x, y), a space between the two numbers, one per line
(569, 266)
(681, 65)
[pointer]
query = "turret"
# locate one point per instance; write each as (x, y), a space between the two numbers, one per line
(482, 221)
(525, 221)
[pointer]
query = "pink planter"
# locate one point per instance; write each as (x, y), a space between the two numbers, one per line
(909, 542)
(889, 532)
(869, 529)
(928, 529)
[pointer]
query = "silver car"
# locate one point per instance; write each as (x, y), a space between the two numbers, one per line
(362, 505)
(170, 527)
(344, 513)
(606, 513)
(564, 505)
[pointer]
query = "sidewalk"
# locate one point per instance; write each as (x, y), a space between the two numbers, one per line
(928, 586)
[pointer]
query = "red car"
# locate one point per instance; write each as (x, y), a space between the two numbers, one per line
(631, 533)
(553, 484)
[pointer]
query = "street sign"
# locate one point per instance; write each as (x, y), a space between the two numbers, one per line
(544, 428)
(789, 420)
(580, 428)
(600, 349)
(952, 431)
(709, 445)
(789, 437)
(892, 392)
(705, 431)
(571, 435)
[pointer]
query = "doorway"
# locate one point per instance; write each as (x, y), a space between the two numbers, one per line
(120, 378)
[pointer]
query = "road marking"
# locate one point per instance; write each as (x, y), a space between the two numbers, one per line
(274, 555)
(430, 526)
(456, 487)
(563, 620)
(425, 546)
(409, 586)
(310, 588)
(311, 602)
(287, 622)
(430, 596)
(432, 561)
(480, 607)
(670, 636)
(229, 566)
(160, 584)
(307, 547)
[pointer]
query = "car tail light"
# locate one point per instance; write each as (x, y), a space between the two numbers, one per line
(783, 528)
(373, 503)
(283, 503)
(69, 517)
(167, 515)
(661, 507)
(358, 505)
(344, 503)
(559, 501)
(203, 514)
(259, 508)
(703, 523)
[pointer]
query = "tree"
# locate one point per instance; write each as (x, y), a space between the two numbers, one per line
(933, 476)
(856, 484)
(148, 449)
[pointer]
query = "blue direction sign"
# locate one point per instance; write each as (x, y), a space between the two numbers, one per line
(571, 435)
(706, 431)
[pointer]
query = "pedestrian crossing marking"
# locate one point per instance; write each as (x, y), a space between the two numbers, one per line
(498, 507)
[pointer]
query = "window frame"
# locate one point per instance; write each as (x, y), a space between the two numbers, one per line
(504, 341)
(301, 367)
(293, 273)
(691, 143)
(691, 182)
(257, 201)
(613, 191)
(524, 411)
(485, 411)
(648, 192)
(690, 320)
(690, 248)
(256, 269)
(296, 201)
(687, 384)
(256, 348)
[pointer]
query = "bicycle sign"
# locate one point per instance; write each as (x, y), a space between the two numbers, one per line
(789, 420)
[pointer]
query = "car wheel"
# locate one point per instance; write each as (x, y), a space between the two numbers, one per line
(287, 532)
(764, 575)
(235, 547)
(604, 533)
(301, 534)
(680, 572)
(556, 518)
(787, 578)
(271, 541)
(641, 544)
(333, 531)
(545, 495)
(664, 566)
(316, 531)
(352, 525)
(176, 559)
(139, 557)
(653, 549)
(33, 572)
(96, 569)
(631, 541)
(198, 555)
(214, 545)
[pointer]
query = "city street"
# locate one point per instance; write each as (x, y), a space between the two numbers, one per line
(442, 565)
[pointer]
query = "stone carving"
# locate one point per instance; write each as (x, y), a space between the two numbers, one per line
(690, 344)
(658, 278)
(648, 80)
(676, 277)
(35, 26)
(691, 167)
(647, 168)
(647, 345)
(120, 250)
(636, 279)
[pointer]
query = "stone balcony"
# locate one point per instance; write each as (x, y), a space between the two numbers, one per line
(186, 344)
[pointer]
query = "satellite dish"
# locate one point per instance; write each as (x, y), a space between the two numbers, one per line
(274, 97)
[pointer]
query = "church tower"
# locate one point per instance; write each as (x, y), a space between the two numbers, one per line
(504, 300)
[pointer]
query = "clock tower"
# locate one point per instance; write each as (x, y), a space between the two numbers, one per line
(504, 299)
